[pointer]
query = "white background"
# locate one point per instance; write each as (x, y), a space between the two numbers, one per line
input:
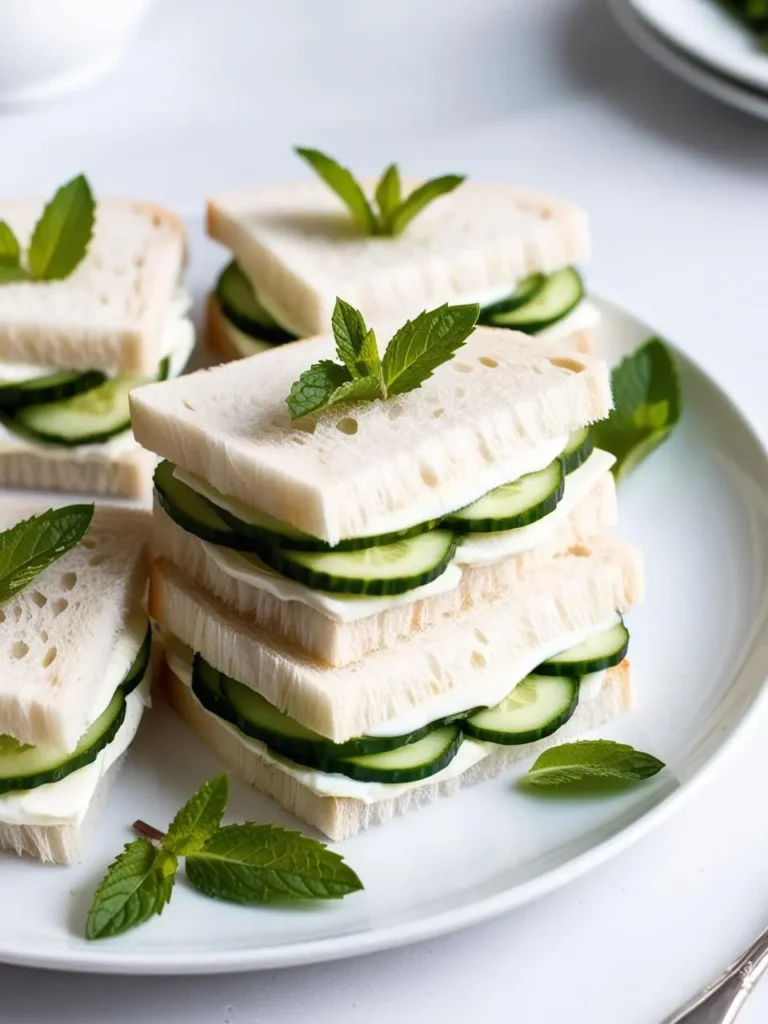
(545, 92)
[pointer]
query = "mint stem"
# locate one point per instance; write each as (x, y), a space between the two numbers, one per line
(148, 831)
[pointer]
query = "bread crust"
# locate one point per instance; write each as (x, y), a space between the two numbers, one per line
(125, 475)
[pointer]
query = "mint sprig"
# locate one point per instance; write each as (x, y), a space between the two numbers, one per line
(586, 760)
(647, 406)
(30, 546)
(59, 241)
(414, 352)
(394, 212)
(248, 863)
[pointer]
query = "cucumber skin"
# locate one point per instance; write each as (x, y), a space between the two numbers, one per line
(542, 323)
(366, 773)
(276, 335)
(61, 771)
(506, 739)
(526, 290)
(175, 511)
(276, 559)
(583, 668)
(572, 460)
(209, 695)
(16, 396)
(532, 515)
(140, 664)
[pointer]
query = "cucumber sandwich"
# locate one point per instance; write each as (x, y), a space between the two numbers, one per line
(295, 247)
(76, 648)
(384, 573)
(91, 305)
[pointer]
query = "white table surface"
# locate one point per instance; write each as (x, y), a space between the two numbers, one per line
(545, 92)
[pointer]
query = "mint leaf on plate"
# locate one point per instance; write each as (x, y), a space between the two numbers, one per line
(422, 344)
(61, 236)
(31, 546)
(137, 886)
(592, 759)
(647, 406)
(199, 818)
(10, 250)
(265, 864)
(343, 184)
(356, 345)
(420, 198)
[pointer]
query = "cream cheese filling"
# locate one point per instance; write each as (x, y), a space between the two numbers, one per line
(480, 549)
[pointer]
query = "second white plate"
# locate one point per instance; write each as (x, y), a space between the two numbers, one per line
(698, 509)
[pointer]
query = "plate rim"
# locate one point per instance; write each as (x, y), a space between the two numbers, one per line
(431, 925)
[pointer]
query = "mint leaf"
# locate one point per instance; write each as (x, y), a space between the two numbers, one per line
(387, 195)
(10, 274)
(10, 250)
(315, 386)
(421, 197)
(32, 545)
(199, 818)
(343, 184)
(137, 886)
(61, 236)
(265, 864)
(363, 389)
(647, 406)
(422, 344)
(355, 344)
(592, 759)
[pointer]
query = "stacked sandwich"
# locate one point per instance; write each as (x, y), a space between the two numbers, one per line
(73, 344)
(295, 249)
(75, 647)
(380, 601)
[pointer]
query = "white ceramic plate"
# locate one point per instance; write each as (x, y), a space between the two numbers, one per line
(679, 62)
(708, 33)
(698, 509)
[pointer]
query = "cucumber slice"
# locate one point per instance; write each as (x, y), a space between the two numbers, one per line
(526, 289)
(241, 307)
(536, 708)
(255, 716)
(51, 388)
(560, 293)
(138, 668)
(26, 767)
(389, 569)
(90, 418)
(207, 687)
(580, 446)
(411, 763)
(192, 512)
(512, 505)
(601, 651)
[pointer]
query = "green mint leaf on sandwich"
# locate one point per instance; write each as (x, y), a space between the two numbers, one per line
(199, 818)
(61, 236)
(138, 885)
(266, 864)
(586, 760)
(416, 350)
(10, 250)
(647, 406)
(394, 212)
(32, 545)
(343, 184)
(422, 344)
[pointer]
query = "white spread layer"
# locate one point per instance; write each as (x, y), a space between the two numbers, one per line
(482, 549)
(529, 459)
(583, 317)
(178, 343)
(330, 784)
(67, 802)
(122, 657)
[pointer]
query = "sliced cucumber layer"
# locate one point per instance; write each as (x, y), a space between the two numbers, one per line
(512, 505)
(580, 446)
(140, 664)
(389, 569)
(51, 388)
(411, 763)
(537, 707)
(559, 294)
(27, 767)
(192, 512)
(89, 418)
(241, 307)
(601, 651)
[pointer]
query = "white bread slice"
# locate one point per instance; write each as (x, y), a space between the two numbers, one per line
(57, 635)
(123, 473)
(572, 593)
(339, 475)
(109, 314)
(299, 246)
(339, 643)
(337, 817)
(222, 336)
